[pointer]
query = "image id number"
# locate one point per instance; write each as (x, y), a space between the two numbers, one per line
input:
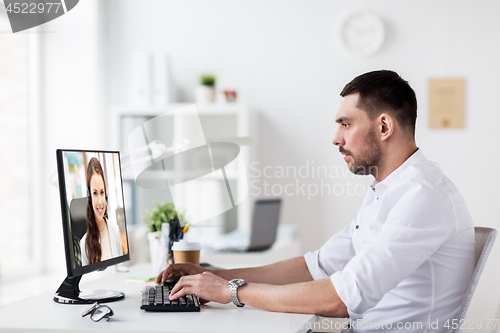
(470, 324)
(33, 8)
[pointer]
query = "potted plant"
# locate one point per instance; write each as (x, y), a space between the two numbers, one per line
(163, 213)
(205, 92)
(154, 219)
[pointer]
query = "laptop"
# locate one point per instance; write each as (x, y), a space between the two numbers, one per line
(263, 231)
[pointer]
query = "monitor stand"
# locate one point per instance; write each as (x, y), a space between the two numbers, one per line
(69, 293)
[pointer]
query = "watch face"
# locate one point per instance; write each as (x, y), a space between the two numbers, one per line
(361, 32)
(238, 282)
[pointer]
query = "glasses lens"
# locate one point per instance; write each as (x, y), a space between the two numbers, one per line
(102, 311)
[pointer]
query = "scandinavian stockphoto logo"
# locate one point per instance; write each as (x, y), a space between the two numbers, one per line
(31, 13)
(171, 152)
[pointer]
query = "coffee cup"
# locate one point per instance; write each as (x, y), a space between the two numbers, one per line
(185, 251)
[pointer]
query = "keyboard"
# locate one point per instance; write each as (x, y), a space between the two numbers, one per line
(155, 298)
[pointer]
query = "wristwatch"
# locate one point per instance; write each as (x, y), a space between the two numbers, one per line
(233, 291)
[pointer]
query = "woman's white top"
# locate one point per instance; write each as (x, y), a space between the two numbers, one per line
(111, 245)
(105, 245)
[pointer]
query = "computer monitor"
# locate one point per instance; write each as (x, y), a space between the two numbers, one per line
(93, 219)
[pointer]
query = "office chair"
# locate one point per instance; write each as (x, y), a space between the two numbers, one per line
(78, 222)
(78, 217)
(485, 237)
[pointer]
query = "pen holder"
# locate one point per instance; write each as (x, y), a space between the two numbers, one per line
(155, 251)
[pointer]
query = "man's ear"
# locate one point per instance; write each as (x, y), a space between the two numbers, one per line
(386, 126)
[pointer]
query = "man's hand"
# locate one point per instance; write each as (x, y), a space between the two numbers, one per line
(177, 270)
(207, 286)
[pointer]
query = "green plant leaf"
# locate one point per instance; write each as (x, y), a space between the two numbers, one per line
(207, 80)
(163, 213)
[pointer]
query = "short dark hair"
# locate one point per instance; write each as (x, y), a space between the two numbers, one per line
(385, 90)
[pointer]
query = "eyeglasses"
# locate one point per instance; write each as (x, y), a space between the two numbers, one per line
(98, 312)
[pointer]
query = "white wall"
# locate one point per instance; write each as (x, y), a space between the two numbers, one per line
(281, 57)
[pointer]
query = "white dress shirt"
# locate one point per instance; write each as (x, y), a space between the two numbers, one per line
(406, 259)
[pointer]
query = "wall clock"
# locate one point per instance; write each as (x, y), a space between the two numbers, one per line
(361, 32)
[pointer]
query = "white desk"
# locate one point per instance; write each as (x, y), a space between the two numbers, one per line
(278, 252)
(44, 315)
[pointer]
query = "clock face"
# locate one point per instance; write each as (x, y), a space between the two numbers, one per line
(361, 33)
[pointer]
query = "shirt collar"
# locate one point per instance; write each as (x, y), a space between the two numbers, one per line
(380, 187)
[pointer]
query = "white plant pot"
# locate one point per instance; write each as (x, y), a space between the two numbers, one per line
(204, 94)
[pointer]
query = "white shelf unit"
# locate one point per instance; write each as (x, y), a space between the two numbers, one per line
(220, 123)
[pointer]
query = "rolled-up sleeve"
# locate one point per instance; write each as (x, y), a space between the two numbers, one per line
(332, 256)
(414, 228)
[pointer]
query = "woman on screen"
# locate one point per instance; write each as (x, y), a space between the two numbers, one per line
(102, 240)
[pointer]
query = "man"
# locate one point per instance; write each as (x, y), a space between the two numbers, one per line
(406, 259)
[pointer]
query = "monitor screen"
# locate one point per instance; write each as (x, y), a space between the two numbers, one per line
(93, 214)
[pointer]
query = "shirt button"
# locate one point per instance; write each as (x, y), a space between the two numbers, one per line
(357, 227)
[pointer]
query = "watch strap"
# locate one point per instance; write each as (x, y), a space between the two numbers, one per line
(233, 291)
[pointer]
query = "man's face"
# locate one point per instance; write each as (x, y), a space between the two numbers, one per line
(356, 138)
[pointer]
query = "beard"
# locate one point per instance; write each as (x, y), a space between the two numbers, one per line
(367, 160)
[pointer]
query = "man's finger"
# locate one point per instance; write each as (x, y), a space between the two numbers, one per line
(172, 271)
(175, 274)
(161, 277)
(178, 286)
(185, 281)
(185, 290)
